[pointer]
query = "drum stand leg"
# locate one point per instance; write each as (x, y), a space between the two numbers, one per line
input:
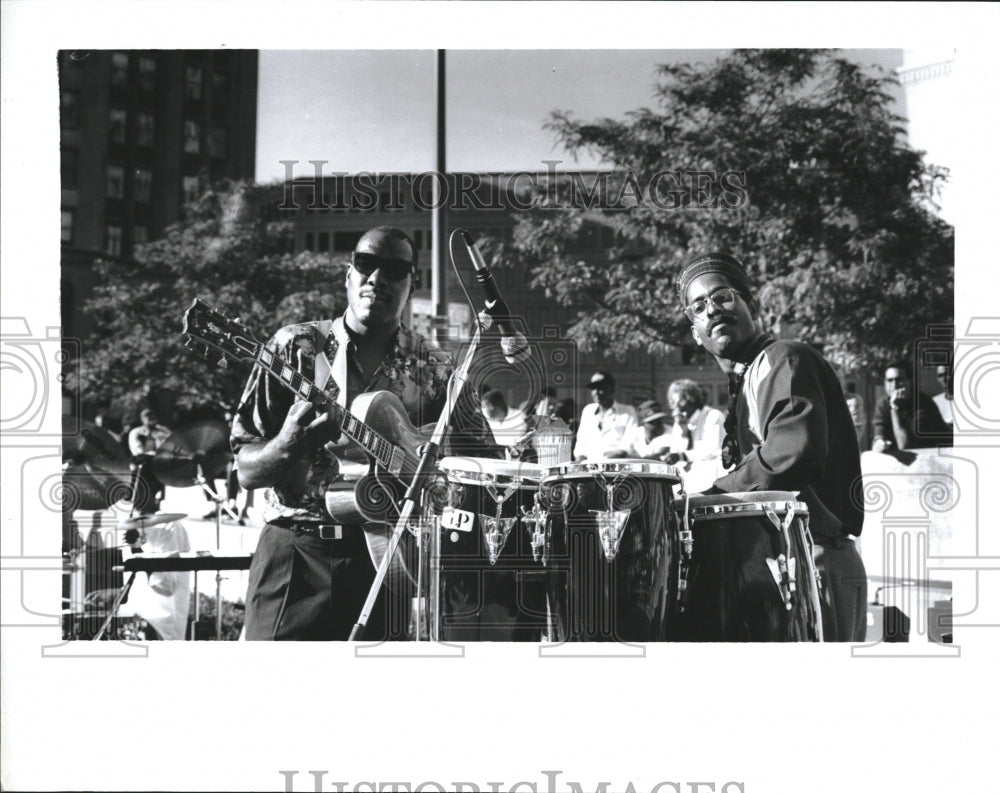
(117, 604)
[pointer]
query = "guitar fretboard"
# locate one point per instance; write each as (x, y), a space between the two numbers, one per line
(355, 429)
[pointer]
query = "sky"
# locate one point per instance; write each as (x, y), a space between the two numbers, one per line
(375, 109)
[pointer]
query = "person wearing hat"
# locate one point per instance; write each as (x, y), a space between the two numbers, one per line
(607, 427)
(696, 436)
(788, 428)
(309, 577)
(652, 439)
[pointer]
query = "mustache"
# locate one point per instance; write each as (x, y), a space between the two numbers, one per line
(720, 320)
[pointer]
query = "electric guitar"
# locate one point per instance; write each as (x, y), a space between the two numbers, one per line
(377, 423)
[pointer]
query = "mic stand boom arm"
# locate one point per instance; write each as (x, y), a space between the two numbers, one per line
(426, 465)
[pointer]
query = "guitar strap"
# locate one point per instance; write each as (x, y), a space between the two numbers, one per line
(338, 369)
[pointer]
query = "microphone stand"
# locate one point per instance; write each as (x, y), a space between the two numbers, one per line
(424, 468)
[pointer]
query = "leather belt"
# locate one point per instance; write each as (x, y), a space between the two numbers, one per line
(324, 531)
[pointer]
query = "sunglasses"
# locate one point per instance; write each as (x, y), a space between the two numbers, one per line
(392, 269)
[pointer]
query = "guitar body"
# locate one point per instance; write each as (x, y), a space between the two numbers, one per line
(370, 494)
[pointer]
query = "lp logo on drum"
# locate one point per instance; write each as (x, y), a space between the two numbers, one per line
(457, 519)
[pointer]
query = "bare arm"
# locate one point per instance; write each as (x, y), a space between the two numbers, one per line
(264, 463)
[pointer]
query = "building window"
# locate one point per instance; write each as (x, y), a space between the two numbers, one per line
(116, 181)
(119, 70)
(191, 189)
(117, 124)
(67, 168)
(143, 187)
(217, 142)
(67, 225)
(147, 75)
(324, 242)
(192, 137)
(140, 235)
(309, 245)
(344, 241)
(113, 240)
(145, 129)
(69, 109)
(221, 88)
(192, 83)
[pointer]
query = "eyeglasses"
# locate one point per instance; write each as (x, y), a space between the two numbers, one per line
(392, 269)
(724, 297)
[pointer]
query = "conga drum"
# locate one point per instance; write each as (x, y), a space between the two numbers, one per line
(490, 585)
(608, 549)
(743, 570)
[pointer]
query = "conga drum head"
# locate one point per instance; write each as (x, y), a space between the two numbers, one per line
(482, 470)
(588, 469)
(724, 505)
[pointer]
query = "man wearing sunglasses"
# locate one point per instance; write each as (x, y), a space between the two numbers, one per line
(309, 576)
(788, 428)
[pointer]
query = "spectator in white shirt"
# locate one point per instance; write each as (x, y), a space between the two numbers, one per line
(696, 437)
(946, 378)
(510, 426)
(652, 437)
(607, 427)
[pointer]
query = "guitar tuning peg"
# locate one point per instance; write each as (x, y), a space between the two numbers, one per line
(223, 363)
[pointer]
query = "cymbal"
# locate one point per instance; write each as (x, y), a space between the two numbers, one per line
(145, 521)
(202, 443)
(87, 487)
(92, 444)
(97, 472)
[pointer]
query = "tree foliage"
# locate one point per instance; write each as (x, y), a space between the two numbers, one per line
(229, 252)
(792, 160)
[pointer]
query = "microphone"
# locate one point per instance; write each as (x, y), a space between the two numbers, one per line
(513, 345)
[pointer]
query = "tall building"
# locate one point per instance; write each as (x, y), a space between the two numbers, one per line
(140, 130)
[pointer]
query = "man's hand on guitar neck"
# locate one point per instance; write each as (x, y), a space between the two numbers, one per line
(304, 430)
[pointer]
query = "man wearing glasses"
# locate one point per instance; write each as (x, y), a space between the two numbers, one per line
(788, 428)
(309, 579)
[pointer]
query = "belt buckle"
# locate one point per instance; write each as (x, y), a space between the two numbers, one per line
(330, 531)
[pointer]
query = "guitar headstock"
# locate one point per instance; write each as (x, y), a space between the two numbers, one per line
(206, 330)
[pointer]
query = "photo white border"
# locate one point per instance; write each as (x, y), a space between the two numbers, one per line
(231, 716)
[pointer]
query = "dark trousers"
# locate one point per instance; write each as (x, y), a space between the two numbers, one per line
(308, 589)
(844, 592)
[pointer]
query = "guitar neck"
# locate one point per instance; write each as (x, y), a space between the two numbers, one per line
(353, 427)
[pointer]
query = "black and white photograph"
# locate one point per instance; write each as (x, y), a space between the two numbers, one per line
(517, 379)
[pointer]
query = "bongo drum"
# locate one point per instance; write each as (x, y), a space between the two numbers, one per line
(490, 585)
(743, 569)
(607, 552)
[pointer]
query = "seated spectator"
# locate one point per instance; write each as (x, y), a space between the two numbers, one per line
(510, 426)
(652, 437)
(696, 437)
(946, 377)
(907, 418)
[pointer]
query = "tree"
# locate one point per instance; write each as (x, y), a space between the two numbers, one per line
(793, 160)
(231, 254)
